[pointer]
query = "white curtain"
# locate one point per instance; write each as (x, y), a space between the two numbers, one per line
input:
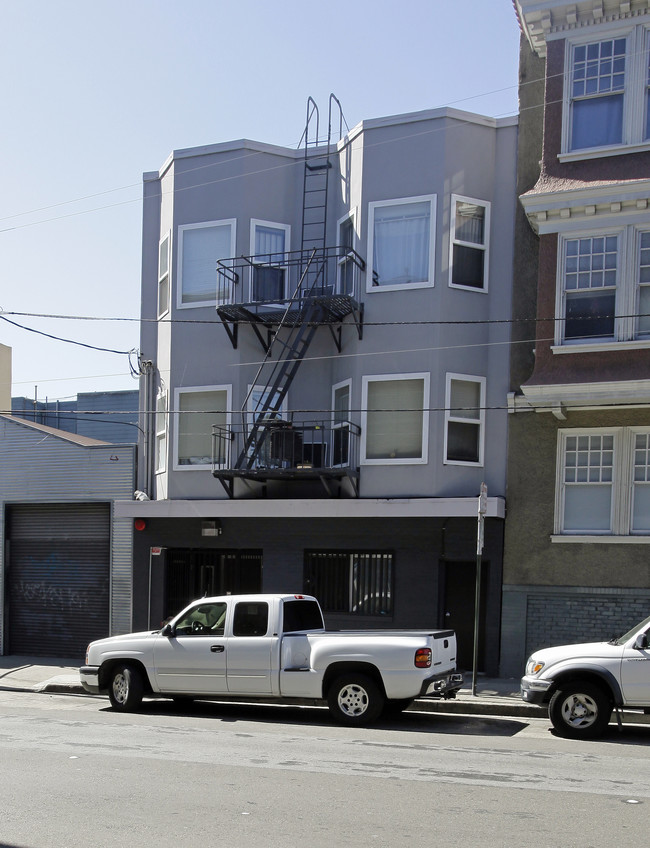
(394, 420)
(401, 243)
(199, 411)
(202, 247)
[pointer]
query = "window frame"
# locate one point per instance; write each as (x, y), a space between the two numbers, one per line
(425, 377)
(341, 425)
(164, 277)
(450, 377)
(627, 290)
(622, 484)
(637, 38)
(181, 230)
(162, 433)
(343, 260)
(286, 229)
(186, 390)
(485, 247)
(400, 201)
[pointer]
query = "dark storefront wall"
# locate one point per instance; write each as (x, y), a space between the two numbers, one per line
(431, 557)
(57, 578)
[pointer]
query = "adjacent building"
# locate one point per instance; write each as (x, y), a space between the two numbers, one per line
(325, 351)
(577, 563)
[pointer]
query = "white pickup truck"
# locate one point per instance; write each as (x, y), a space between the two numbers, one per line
(582, 684)
(273, 646)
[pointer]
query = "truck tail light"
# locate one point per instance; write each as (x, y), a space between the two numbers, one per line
(423, 658)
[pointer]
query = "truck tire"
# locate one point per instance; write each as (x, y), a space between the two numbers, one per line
(580, 710)
(125, 688)
(355, 699)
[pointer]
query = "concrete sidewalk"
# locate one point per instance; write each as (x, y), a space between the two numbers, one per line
(61, 676)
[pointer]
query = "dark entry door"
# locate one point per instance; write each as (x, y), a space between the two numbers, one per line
(196, 573)
(458, 609)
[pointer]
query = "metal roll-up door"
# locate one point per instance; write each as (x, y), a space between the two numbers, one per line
(59, 577)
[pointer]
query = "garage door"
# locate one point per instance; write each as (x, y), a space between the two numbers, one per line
(58, 578)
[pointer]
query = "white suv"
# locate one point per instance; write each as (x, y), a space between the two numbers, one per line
(582, 684)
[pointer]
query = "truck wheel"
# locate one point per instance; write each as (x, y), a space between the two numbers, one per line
(355, 699)
(125, 688)
(580, 710)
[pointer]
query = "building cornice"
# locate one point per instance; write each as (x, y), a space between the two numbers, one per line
(560, 398)
(542, 20)
(558, 209)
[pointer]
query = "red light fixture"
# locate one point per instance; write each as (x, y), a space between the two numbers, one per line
(139, 524)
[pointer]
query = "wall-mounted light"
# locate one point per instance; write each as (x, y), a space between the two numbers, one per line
(211, 527)
(140, 524)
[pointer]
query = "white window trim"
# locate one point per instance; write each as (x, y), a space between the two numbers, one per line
(177, 416)
(162, 435)
(349, 216)
(468, 378)
(429, 283)
(335, 425)
(627, 291)
(232, 223)
(425, 376)
(258, 222)
(161, 313)
(634, 91)
(485, 247)
(622, 487)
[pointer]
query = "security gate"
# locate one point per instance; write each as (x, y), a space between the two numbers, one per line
(194, 573)
(57, 581)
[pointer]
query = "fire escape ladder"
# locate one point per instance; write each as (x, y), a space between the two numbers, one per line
(293, 349)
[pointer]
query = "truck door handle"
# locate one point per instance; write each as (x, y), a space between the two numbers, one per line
(217, 649)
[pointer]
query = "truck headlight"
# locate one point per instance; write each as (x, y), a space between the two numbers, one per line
(534, 666)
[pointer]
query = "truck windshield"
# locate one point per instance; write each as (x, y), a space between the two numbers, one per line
(642, 625)
(302, 615)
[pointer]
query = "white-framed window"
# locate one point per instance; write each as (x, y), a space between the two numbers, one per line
(341, 394)
(606, 91)
(464, 419)
(603, 482)
(469, 239)
(161, 431)
(199, 248)
(395, 419)
(198, 409)
(401, 243)
(163, 275)
(603, 287)
(346, 266)
(269, 244)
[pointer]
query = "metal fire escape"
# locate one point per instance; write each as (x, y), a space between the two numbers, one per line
(285, 327)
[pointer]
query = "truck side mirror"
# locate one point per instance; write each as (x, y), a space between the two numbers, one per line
(167, 630)
(641, 642)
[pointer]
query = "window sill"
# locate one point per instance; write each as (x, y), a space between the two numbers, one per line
(600, 152)
(601, 540)
(592, 347)
(479, 289)
(399, 287)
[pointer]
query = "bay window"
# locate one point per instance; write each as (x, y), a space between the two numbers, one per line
(401, 237)
(464, 419)
(395, 419)
(469, 235)
(163, 276)
(198, 410)
(607, 87)
(200, 246)
(603, 482)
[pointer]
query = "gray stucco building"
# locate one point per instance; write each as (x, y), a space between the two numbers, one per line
(326, 356)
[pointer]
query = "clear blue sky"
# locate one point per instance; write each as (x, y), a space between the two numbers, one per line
(95, 93)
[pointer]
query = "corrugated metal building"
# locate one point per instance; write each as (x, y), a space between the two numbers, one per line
(65, 559)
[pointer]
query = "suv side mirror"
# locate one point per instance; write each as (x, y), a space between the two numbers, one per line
(641, 642)
(167, 630)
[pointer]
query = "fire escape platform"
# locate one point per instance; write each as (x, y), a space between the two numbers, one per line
(332, 309)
